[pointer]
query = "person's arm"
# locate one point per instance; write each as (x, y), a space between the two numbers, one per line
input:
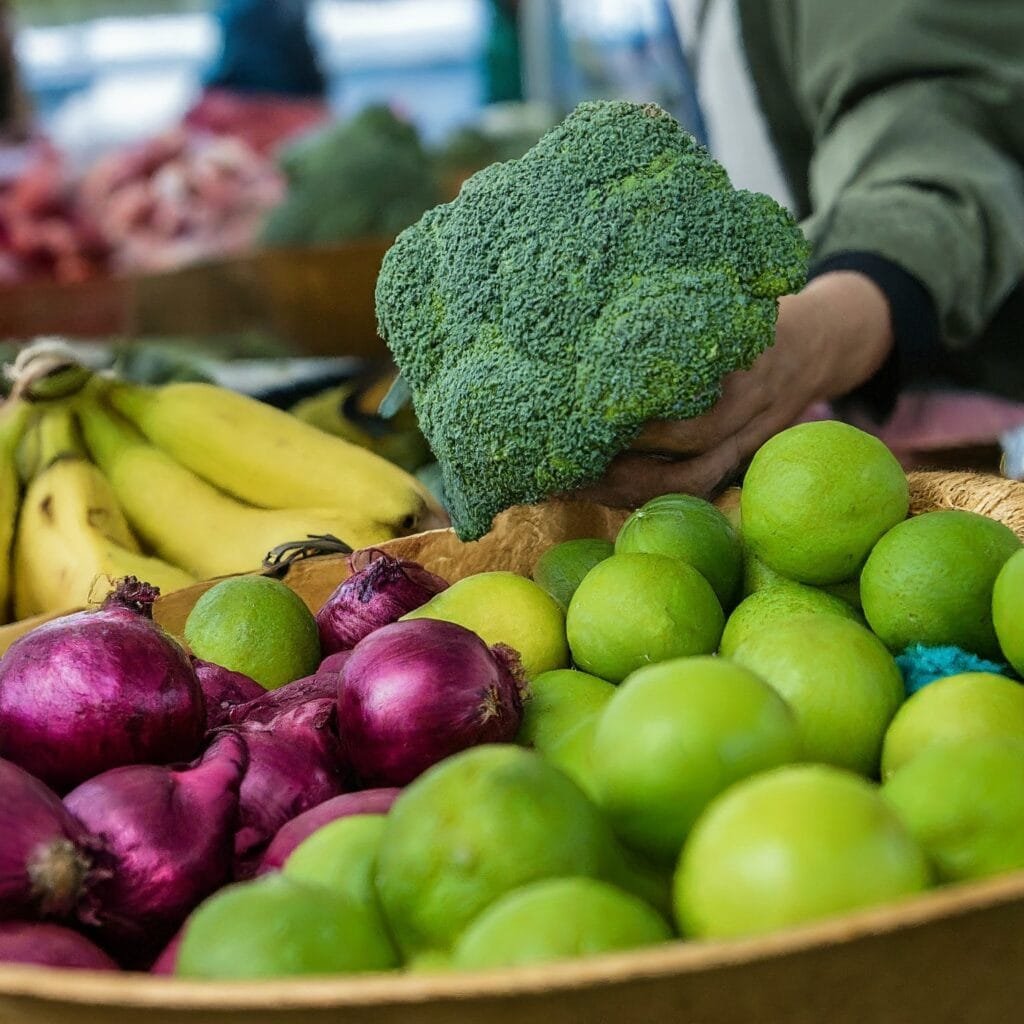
(919, 153)
(917, 190)
(831, 337)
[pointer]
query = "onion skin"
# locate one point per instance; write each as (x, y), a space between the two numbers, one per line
(96, 690)
(289, 772)
(334, 662)
(296, 831)
(48, 859)
(50, 945)
(223, 690)
(380, 591)
(306, 701)
(416, 692)
(165, 963)
(170, 832)
(295, 760)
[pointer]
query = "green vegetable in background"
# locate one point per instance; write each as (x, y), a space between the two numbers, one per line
(609, 277)
(366, 177)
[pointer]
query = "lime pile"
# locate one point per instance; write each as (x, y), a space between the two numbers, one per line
(717, 740)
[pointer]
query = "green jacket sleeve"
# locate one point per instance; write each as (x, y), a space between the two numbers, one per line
(914, 113)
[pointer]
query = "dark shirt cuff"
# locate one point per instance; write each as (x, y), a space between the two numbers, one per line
(917, 348)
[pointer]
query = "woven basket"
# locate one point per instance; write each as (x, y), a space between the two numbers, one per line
(951, 956)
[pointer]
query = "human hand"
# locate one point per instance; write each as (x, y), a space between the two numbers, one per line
(829, 338)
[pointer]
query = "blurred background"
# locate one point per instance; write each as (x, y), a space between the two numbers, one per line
(207, 187)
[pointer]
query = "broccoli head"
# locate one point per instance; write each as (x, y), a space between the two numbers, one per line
(609, 277)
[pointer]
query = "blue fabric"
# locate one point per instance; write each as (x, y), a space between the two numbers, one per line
(266, 47)
(922, 665)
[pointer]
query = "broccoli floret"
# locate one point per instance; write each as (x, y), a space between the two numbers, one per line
(608, 277)
(369, 176)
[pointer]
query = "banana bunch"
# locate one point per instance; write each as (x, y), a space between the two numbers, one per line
(349, 410)
(174, 484)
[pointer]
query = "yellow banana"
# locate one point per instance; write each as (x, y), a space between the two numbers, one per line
(269, 458)
(189, 522)
(73, 539)
(13, 417)
(348, 411)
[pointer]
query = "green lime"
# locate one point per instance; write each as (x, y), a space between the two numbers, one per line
(274, 927)
(964, 803)
(843, 685)
(556, 919)
(929, 581)
(474, 827)
(505, 608)
(817, 497)
(702, 724)
(767, 607)
(560, 718)
(561, 568)
(1008, 610)
(692, 530)
(559, 701)
(257, 626)
(792, 845)
(847, 590)
(341, 856)
(638, 609)
(758, 576)
(972, 705)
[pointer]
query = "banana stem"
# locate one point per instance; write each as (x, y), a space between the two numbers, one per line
(47, 370)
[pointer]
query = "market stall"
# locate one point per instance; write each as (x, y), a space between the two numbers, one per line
(411, 611)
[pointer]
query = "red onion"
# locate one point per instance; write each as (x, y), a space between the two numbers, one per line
(168, 958)
(48, 860)
(295, 760)
(380, 591)
(415, 692)
(334, 662)
(96, 690)
(50, 945)
(307, 701)
(289, 772)
(366, 801)
(170, 832)
(223, 690)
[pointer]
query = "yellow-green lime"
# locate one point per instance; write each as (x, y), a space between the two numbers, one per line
(1008, 610)
(559, 701)
(560, 718)
(692, 530)
(817, 497)
(341, 857)
(971, 705)
(555, 919)
(274, 927)
(562, 567)
(791, 845)
(964, 803)
(257, 626)
(473, 828)
(843, 685)
(673, 737)
(638, 609)
(504, 608)
(767, 607)
(758, 576)
(929, 581)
